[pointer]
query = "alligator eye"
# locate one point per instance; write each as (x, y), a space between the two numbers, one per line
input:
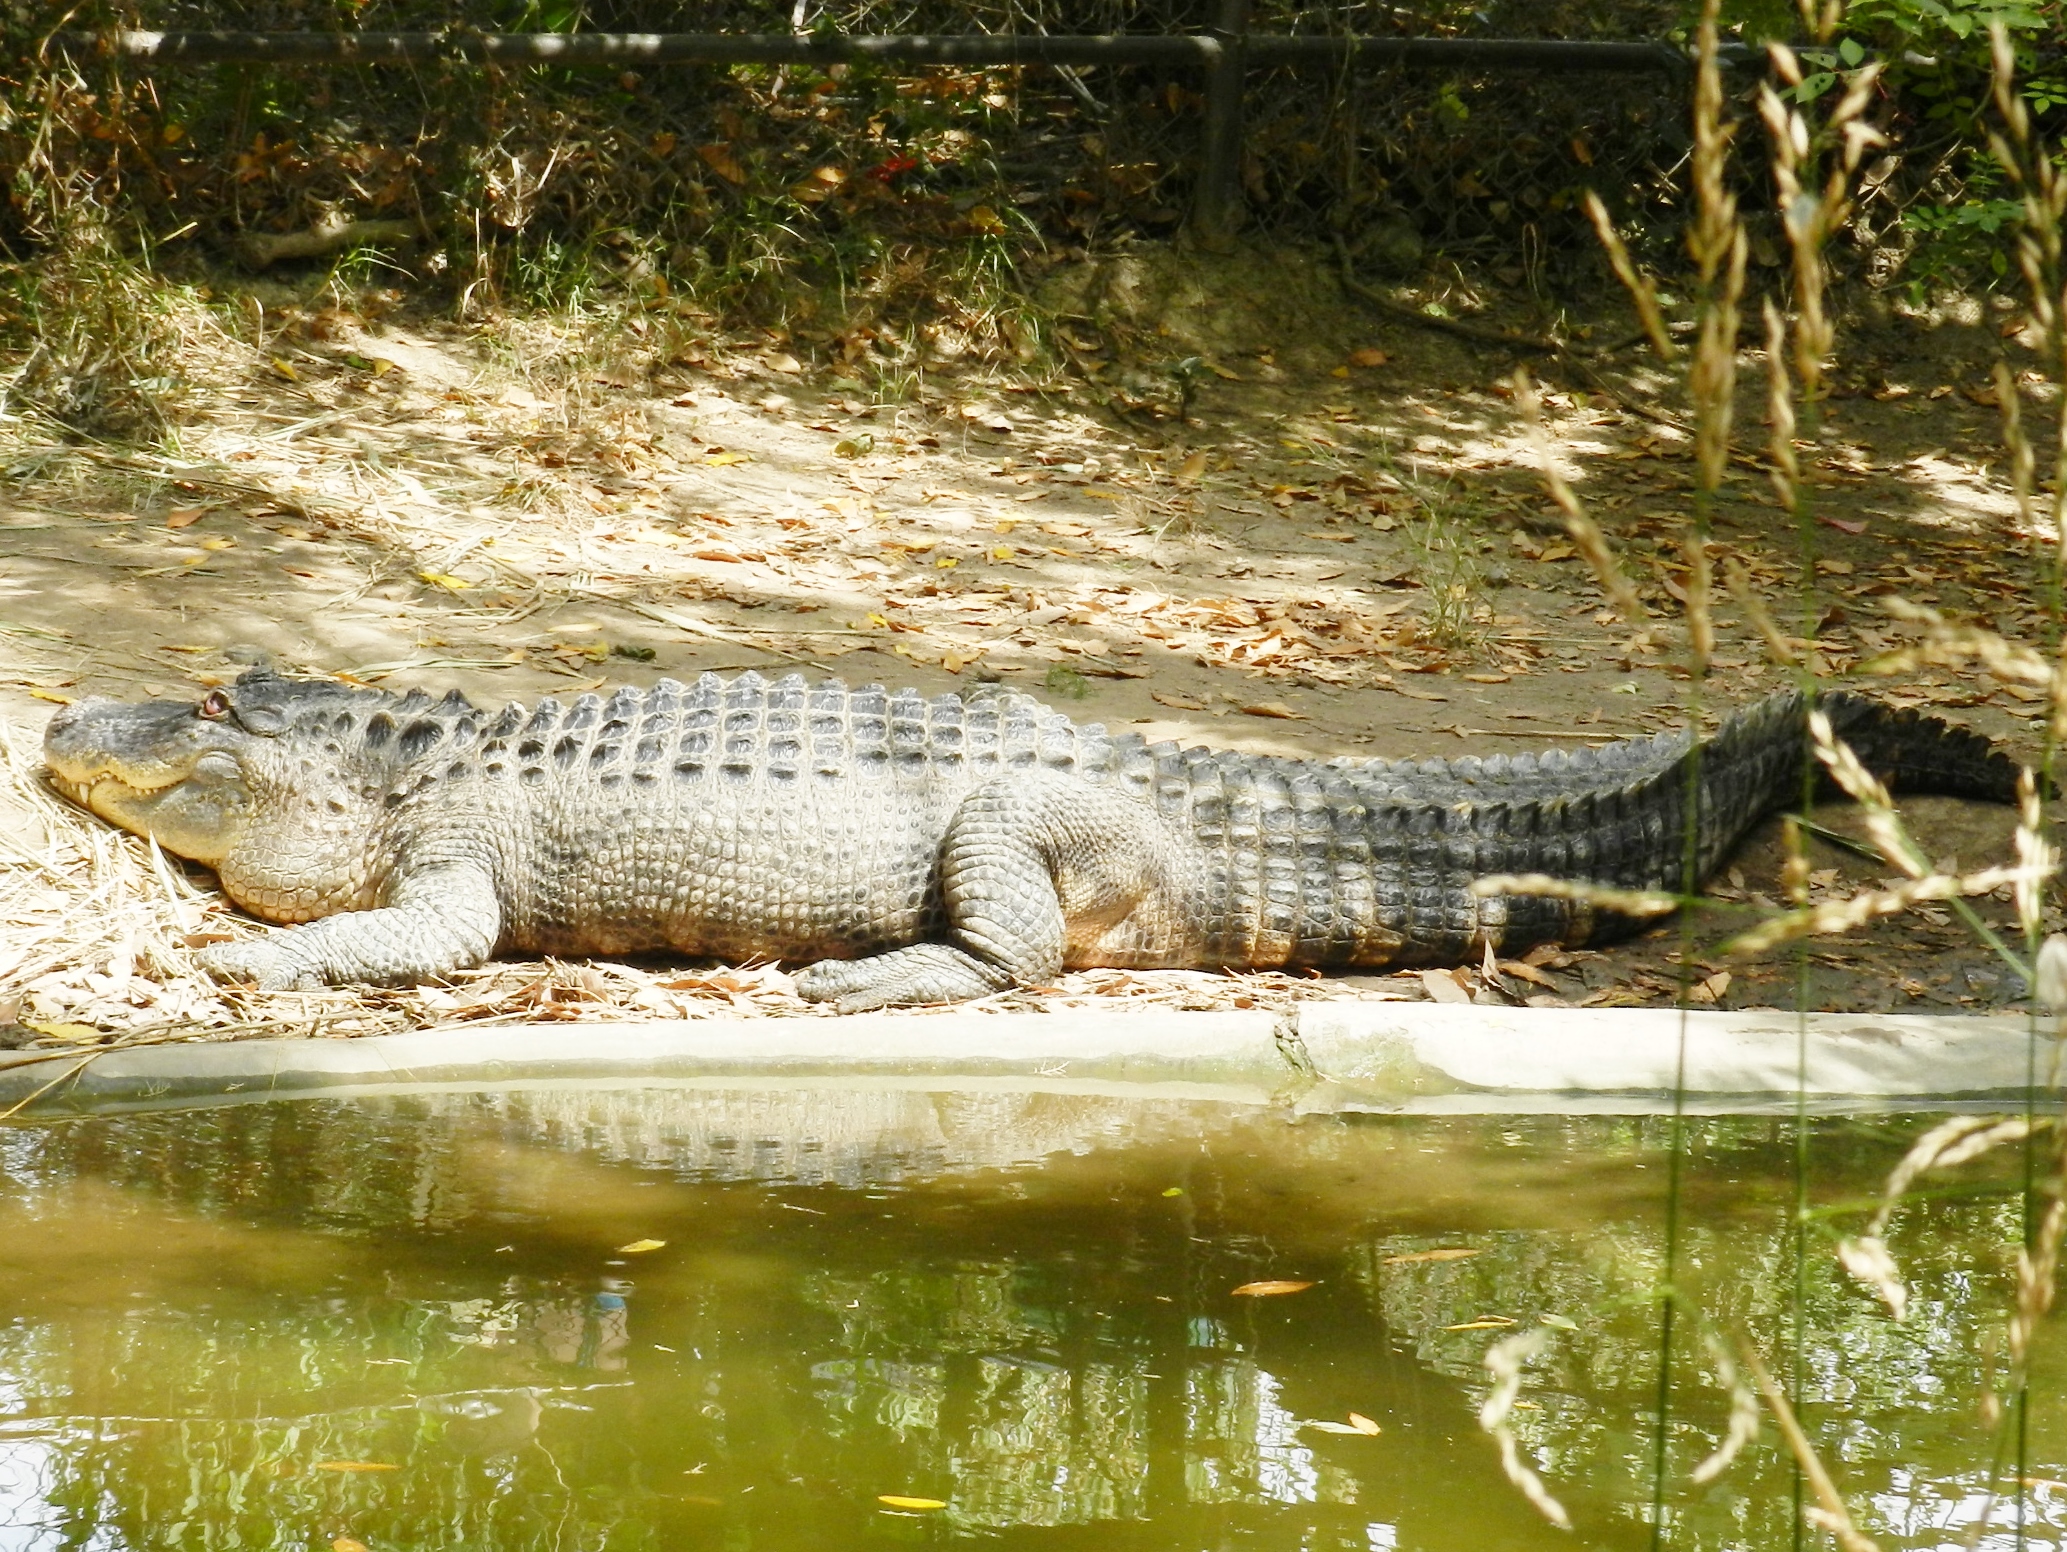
(215, 706)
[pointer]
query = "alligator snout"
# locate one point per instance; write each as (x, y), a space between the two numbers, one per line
(65, 716)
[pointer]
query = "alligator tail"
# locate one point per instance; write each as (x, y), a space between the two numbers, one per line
(1396, 885)
(1912, 752)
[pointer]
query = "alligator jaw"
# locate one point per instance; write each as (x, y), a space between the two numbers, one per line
(165, 809)
(99, 791)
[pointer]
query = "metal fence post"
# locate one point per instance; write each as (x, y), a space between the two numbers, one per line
(1216, 209)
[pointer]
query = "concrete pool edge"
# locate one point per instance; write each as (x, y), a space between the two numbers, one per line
(1325, 1057)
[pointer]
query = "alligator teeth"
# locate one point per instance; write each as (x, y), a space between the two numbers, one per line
(81, 788)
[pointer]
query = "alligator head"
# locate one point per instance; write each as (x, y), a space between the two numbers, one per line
(275, 783)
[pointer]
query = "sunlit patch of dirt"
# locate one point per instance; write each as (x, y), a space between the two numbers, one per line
(1316, 559)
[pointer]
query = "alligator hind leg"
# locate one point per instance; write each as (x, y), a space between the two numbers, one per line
(904, 977)
(1030, 863)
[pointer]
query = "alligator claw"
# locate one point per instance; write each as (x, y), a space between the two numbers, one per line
(260, 962)
(912, 976)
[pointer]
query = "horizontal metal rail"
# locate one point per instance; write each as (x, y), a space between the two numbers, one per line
(723, 48)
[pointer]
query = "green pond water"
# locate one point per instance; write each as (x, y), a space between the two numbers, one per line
(420, 1322)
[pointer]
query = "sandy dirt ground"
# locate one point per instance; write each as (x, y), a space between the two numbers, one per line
(1341, 547)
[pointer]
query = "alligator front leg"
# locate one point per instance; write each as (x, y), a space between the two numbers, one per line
(436, 921)
(1030, 863)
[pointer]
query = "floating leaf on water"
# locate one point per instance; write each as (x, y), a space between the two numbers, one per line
(1562, 1322)
(1173, 1191)
(899, 1501)
(1322, 1425)
(639, 1247)
(1271, 1288)
(1492, 1323)
(346, 1544)
(356, 1465)
(1447, 1253)
(1363, 1424)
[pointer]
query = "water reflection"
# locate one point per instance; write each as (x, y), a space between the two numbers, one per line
(425, 1323)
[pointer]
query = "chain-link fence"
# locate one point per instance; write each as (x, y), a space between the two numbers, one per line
(748, 170)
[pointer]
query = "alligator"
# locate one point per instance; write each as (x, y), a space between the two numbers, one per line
(912, 850)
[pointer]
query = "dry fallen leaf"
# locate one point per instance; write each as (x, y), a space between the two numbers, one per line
(1441, 986)
(1711, 988)
(1270, 1288)
(63, 1031)
(1188, 472)
(1367, 357)
(1276, 709)
(1181, 702)
(719, 159)
(184, 517)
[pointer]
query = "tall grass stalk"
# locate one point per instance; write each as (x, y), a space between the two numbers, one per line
(1814, 169)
